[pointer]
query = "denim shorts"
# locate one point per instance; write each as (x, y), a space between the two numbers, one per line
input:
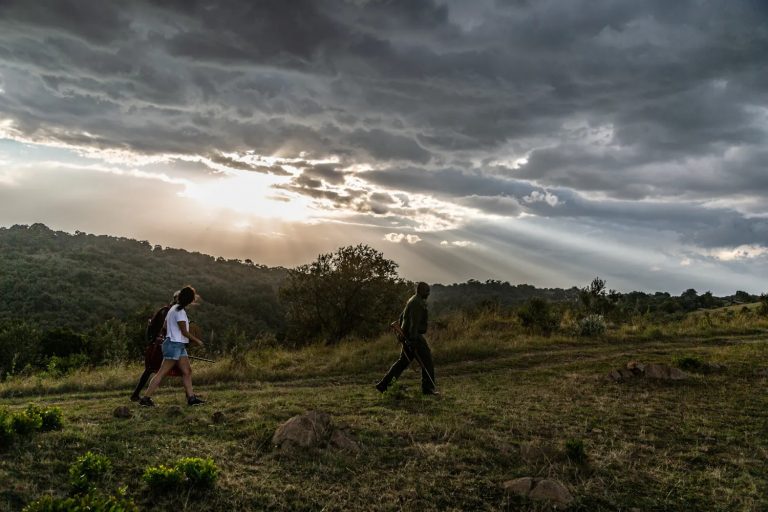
(174, 350)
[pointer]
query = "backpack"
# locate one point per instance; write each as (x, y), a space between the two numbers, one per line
(155, 331)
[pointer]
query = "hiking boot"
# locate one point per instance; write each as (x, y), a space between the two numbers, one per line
(194, 400)
(146, 401)
(433, 392)
(135, 398)
(381, 387)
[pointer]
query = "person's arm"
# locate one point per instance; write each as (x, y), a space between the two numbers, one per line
(408, 325)
(187, 334)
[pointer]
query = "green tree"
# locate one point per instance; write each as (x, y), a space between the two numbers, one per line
(19, 345)
(354, 291)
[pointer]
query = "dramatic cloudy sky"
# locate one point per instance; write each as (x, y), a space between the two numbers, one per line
(542, 141)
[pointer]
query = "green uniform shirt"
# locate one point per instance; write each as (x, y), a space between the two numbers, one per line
(413, 320)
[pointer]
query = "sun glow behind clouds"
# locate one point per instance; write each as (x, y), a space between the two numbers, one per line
(250, 193)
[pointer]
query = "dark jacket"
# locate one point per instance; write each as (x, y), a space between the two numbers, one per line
(413, 320)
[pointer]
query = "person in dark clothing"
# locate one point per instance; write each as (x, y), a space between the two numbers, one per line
(413, 322)
(153, 355)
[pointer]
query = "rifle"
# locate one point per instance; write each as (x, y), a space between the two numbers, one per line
(403, 339)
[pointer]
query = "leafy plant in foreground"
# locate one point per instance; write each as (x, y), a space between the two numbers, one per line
(88, 470)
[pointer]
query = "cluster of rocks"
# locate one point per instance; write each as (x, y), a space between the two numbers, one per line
(312, 429)
(636, 369)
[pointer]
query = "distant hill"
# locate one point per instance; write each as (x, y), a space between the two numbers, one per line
(56, 279)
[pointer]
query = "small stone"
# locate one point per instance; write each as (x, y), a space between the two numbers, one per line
(122, 412)
(218, 417)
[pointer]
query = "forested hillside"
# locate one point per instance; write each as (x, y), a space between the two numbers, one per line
(55, 279)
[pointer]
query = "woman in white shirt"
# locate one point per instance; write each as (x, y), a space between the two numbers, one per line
(175, 348)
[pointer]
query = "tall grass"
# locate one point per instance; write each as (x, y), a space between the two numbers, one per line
(454, 338)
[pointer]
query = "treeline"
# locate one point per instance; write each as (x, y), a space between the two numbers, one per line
(68, 300)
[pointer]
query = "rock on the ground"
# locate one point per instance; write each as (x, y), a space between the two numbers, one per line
(342, 441)
(305, 430)
(664, 372)
(539, 489)
(122, 412)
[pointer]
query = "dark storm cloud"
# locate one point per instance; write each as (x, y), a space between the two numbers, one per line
(650, 101)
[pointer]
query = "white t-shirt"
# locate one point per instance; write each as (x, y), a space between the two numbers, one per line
(172, 319)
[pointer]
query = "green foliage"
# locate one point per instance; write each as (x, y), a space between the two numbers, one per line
(26, 422)
(354, 291)
(19, 345)
(536, 315)
(58, 282)
(200, 473)
(162, 478)
(51, 417)
(394, 392)
(7, 434)
(197, 473)
(762, 310)
(91, 502)
(591, 325)
(60, 366)
(574, 450)
(88, 470)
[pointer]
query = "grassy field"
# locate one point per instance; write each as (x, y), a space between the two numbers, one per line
(510, 404)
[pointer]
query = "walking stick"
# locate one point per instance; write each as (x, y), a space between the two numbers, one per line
(202, 359)
(403, 339)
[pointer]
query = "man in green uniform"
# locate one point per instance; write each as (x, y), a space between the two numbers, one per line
(413, 322)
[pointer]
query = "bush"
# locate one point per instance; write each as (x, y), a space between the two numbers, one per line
(7, 433)
(162, 478)
(58, 366)
(574, 450)
(88, 502)
(591, 325)
(26, 422)
(50, 417)
(195, 472)
(762, 310)
(88, 470)
(536, 315)
(200, 473)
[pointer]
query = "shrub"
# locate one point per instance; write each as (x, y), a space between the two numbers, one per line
(58, 365)
(195, 472)
(762, 310)
(88, 470)
(88, 502)
(162, 478)
(50, 417)
(26, 422)
(591, 325)
(536, 315)
(200, 473)
(7, 433)
(574, 450)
